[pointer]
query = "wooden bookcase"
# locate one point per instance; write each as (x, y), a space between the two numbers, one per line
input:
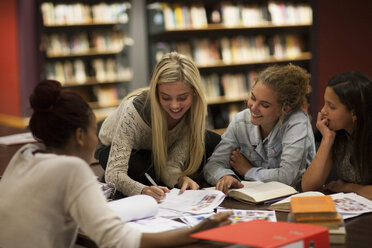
(230, 42)
(86, 46)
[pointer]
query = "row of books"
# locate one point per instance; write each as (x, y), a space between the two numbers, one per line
(238, 49)
(102, 96)
(231, 86)
(182, 16)
(219, 116)
(79, 13)
(178, 16)
(78, 43)
(77, 72)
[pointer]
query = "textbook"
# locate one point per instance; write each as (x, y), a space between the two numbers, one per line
(285, 206)
(337, 235)
(313, 208)
(260, 192)
(265, 234)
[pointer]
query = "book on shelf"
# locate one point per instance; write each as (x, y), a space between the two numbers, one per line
(107, 96)
(261, 233)
(78, 13)
(260, 192)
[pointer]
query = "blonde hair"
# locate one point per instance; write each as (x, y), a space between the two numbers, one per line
(291, 82)
(172, 68)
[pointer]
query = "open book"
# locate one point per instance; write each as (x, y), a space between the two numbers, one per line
(260, 192)
(285, 206)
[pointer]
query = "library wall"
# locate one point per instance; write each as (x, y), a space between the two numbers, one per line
(9, 73)
(230, 42)
(343, 40)
(86, 47)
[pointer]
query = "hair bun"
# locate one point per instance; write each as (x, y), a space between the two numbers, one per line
(45, 95)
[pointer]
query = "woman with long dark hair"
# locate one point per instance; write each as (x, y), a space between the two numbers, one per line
(345, 123)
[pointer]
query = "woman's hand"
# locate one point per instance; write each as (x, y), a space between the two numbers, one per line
(322, 126)
(185, 182)
(239, 162)
(182, 236)
(227, 182)
(337, 186)
(158, 192)
(215, 220)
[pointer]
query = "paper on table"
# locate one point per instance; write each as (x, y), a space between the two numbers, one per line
(20, 138)
(193, 201)
(241, 215)
(156, 224)
(351, 204)
(134, 207)
(194, 219)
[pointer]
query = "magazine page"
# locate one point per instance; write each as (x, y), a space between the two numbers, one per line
(351, 204)
(241, 215)
(156, 224)
(192, 201)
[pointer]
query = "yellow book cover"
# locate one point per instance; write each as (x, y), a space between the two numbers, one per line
(313, 207)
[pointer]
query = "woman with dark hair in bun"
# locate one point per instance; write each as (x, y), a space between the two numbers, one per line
(48, 189)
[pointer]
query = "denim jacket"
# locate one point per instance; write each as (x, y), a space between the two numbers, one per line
(282, 156)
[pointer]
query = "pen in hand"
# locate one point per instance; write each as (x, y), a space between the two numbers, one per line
(150, 179)
(158, 192)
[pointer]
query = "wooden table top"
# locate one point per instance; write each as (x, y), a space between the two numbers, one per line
(359, 232)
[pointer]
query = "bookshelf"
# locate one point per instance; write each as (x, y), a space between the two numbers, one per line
(230, 41)
(85, 45)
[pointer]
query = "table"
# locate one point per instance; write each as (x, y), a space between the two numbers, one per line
(359, 229)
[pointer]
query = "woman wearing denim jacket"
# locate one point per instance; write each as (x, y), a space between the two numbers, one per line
(272, 140)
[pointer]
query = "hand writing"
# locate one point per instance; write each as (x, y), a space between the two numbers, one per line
(158, 192)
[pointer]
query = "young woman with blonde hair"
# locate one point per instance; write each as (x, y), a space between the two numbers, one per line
(161, 127)
(272, 140)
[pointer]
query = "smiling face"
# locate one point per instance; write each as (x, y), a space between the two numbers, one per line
(264, 106)
(337, 114)
(176, 99)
